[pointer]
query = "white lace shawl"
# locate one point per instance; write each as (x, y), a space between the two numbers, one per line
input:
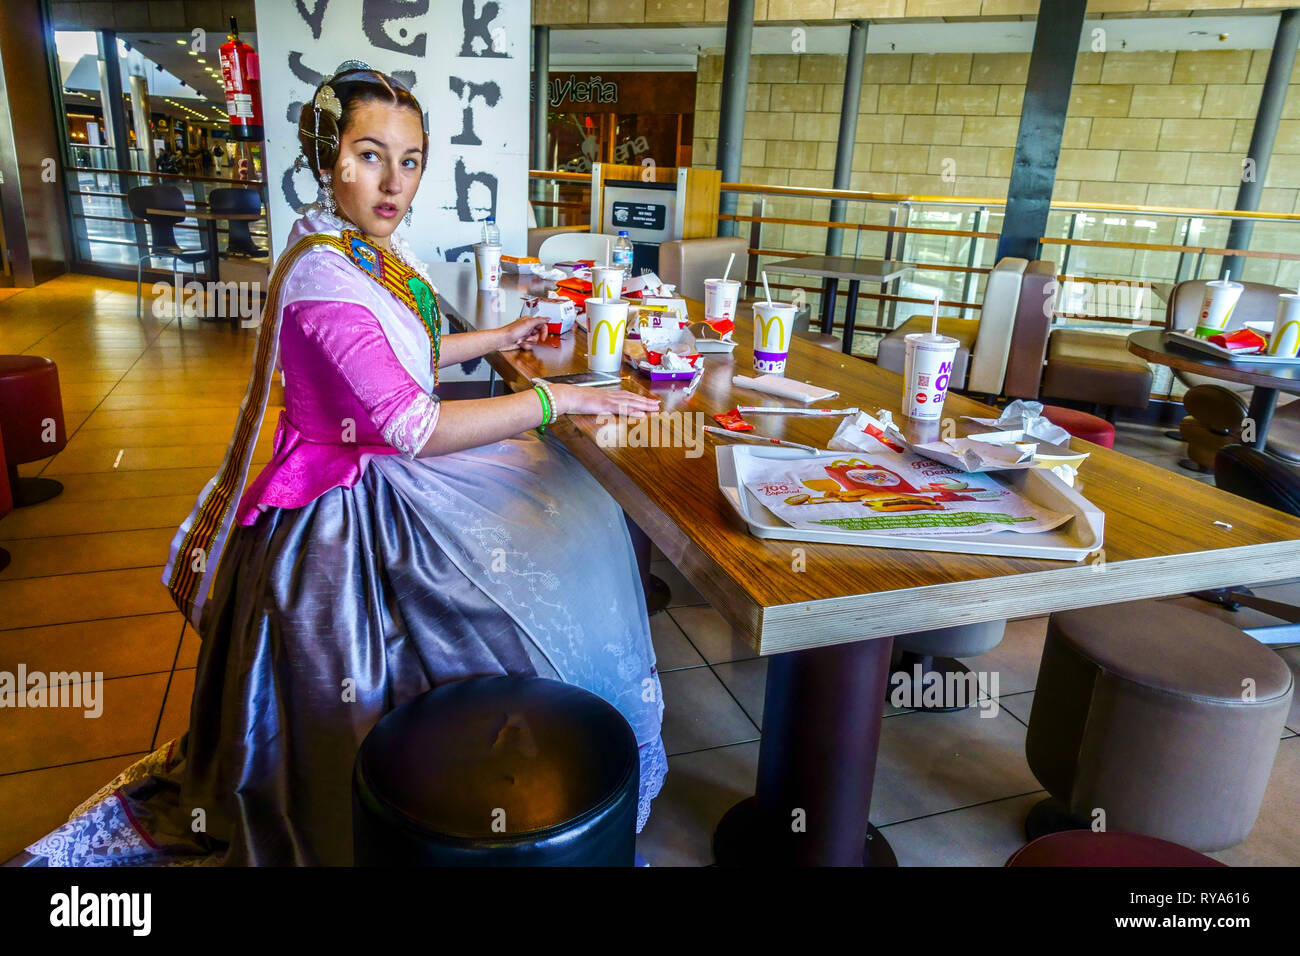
(406, 333)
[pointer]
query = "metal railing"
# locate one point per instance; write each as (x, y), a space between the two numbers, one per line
(1113, 260)
(108, 237)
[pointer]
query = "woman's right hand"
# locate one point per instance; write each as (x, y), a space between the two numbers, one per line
(580, 400)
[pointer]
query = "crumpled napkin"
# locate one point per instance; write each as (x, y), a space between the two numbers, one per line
(1027, 419)
(964, 454)
(550, 275)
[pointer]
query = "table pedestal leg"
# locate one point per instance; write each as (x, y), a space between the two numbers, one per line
(1262, 403)
(816, 764)
(657, 592)
(829, 288)
(850, 316)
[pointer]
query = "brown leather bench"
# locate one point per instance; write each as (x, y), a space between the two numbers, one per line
(1097, 367)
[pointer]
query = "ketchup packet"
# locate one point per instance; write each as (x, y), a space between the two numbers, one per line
(732, 421)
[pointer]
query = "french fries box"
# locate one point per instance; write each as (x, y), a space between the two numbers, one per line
(677, 364)
(558, 311)
(637, 287)
(579, 265)
(660, 321)
(519, 265)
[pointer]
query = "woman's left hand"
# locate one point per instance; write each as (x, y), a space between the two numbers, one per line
(524, 333)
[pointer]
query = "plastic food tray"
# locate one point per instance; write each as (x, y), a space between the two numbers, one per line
(1072, 541)
(1184, 340)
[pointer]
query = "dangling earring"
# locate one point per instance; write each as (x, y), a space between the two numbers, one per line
(407, 218)
(326, 197)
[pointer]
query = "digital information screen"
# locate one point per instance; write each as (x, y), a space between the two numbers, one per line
(640, 215)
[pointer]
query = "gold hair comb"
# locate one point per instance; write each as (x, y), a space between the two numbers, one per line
(327, 101)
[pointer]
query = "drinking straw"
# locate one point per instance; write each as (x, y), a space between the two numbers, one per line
(758, 439)
(766, 289)
(727, 271)
(607, 255)
(785, 410)
(1227, 273)
(934, 319)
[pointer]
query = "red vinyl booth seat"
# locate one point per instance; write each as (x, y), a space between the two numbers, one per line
(1082, 425)
(1086, 848)
(29, 402)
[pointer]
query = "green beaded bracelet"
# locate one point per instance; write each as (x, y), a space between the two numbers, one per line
(546, 410)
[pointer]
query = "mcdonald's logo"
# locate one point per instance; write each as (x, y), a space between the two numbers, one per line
(765, 326)
(615, 330)
(1286, 339)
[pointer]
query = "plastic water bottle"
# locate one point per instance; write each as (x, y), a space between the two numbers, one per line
(622, 253)
(491, 234)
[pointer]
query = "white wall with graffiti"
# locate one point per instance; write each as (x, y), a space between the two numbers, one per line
(466, 61)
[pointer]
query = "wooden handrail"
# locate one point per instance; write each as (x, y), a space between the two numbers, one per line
(929, 266)
(145, 172)
(861, 226)
(559, 174)
(817, 192)
(1112, 319)
(1163, 247)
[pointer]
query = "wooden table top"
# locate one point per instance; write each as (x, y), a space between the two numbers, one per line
(1160, 536)
(1151, 345)
(841, 267)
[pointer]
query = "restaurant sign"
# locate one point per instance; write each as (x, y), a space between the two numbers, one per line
(590, 90)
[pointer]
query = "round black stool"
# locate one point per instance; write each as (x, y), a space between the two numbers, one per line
(498, 771)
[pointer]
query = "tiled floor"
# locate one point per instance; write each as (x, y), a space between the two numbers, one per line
(83, 593)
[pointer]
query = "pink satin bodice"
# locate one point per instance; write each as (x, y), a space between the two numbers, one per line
(347, 397)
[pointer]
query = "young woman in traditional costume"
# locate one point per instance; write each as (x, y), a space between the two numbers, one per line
(392, 544)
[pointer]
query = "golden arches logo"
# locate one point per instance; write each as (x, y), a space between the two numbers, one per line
(616, 331)
(765, 326)
(1288, 334)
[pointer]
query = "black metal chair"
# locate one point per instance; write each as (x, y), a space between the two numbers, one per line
(239, 240)
(162, 236)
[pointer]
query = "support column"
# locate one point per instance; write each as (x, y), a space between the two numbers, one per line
(848, 130)
(541, 104)
(1271, 100)
(849, 104)
(735, 91)
(110, 96)
(1042, 124)
(140, 108)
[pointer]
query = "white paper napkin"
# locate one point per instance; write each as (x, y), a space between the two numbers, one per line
(783, 387)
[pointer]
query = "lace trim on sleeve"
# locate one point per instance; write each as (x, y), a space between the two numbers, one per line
(409, 431)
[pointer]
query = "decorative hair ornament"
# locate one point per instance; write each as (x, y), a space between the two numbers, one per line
(326, 197)
(327, 101)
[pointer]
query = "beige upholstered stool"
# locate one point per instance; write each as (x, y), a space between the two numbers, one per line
(1142, 711)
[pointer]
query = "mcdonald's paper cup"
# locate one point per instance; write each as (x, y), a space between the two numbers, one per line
(1285, 340)
(606, 327)
(487, 261)
(720, 298)
(606, 282)
(1216, 308)
(773, 328)
(927, 366)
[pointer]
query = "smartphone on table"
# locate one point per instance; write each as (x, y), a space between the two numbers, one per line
(582, 378)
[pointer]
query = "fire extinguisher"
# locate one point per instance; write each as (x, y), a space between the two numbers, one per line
(239, 72)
